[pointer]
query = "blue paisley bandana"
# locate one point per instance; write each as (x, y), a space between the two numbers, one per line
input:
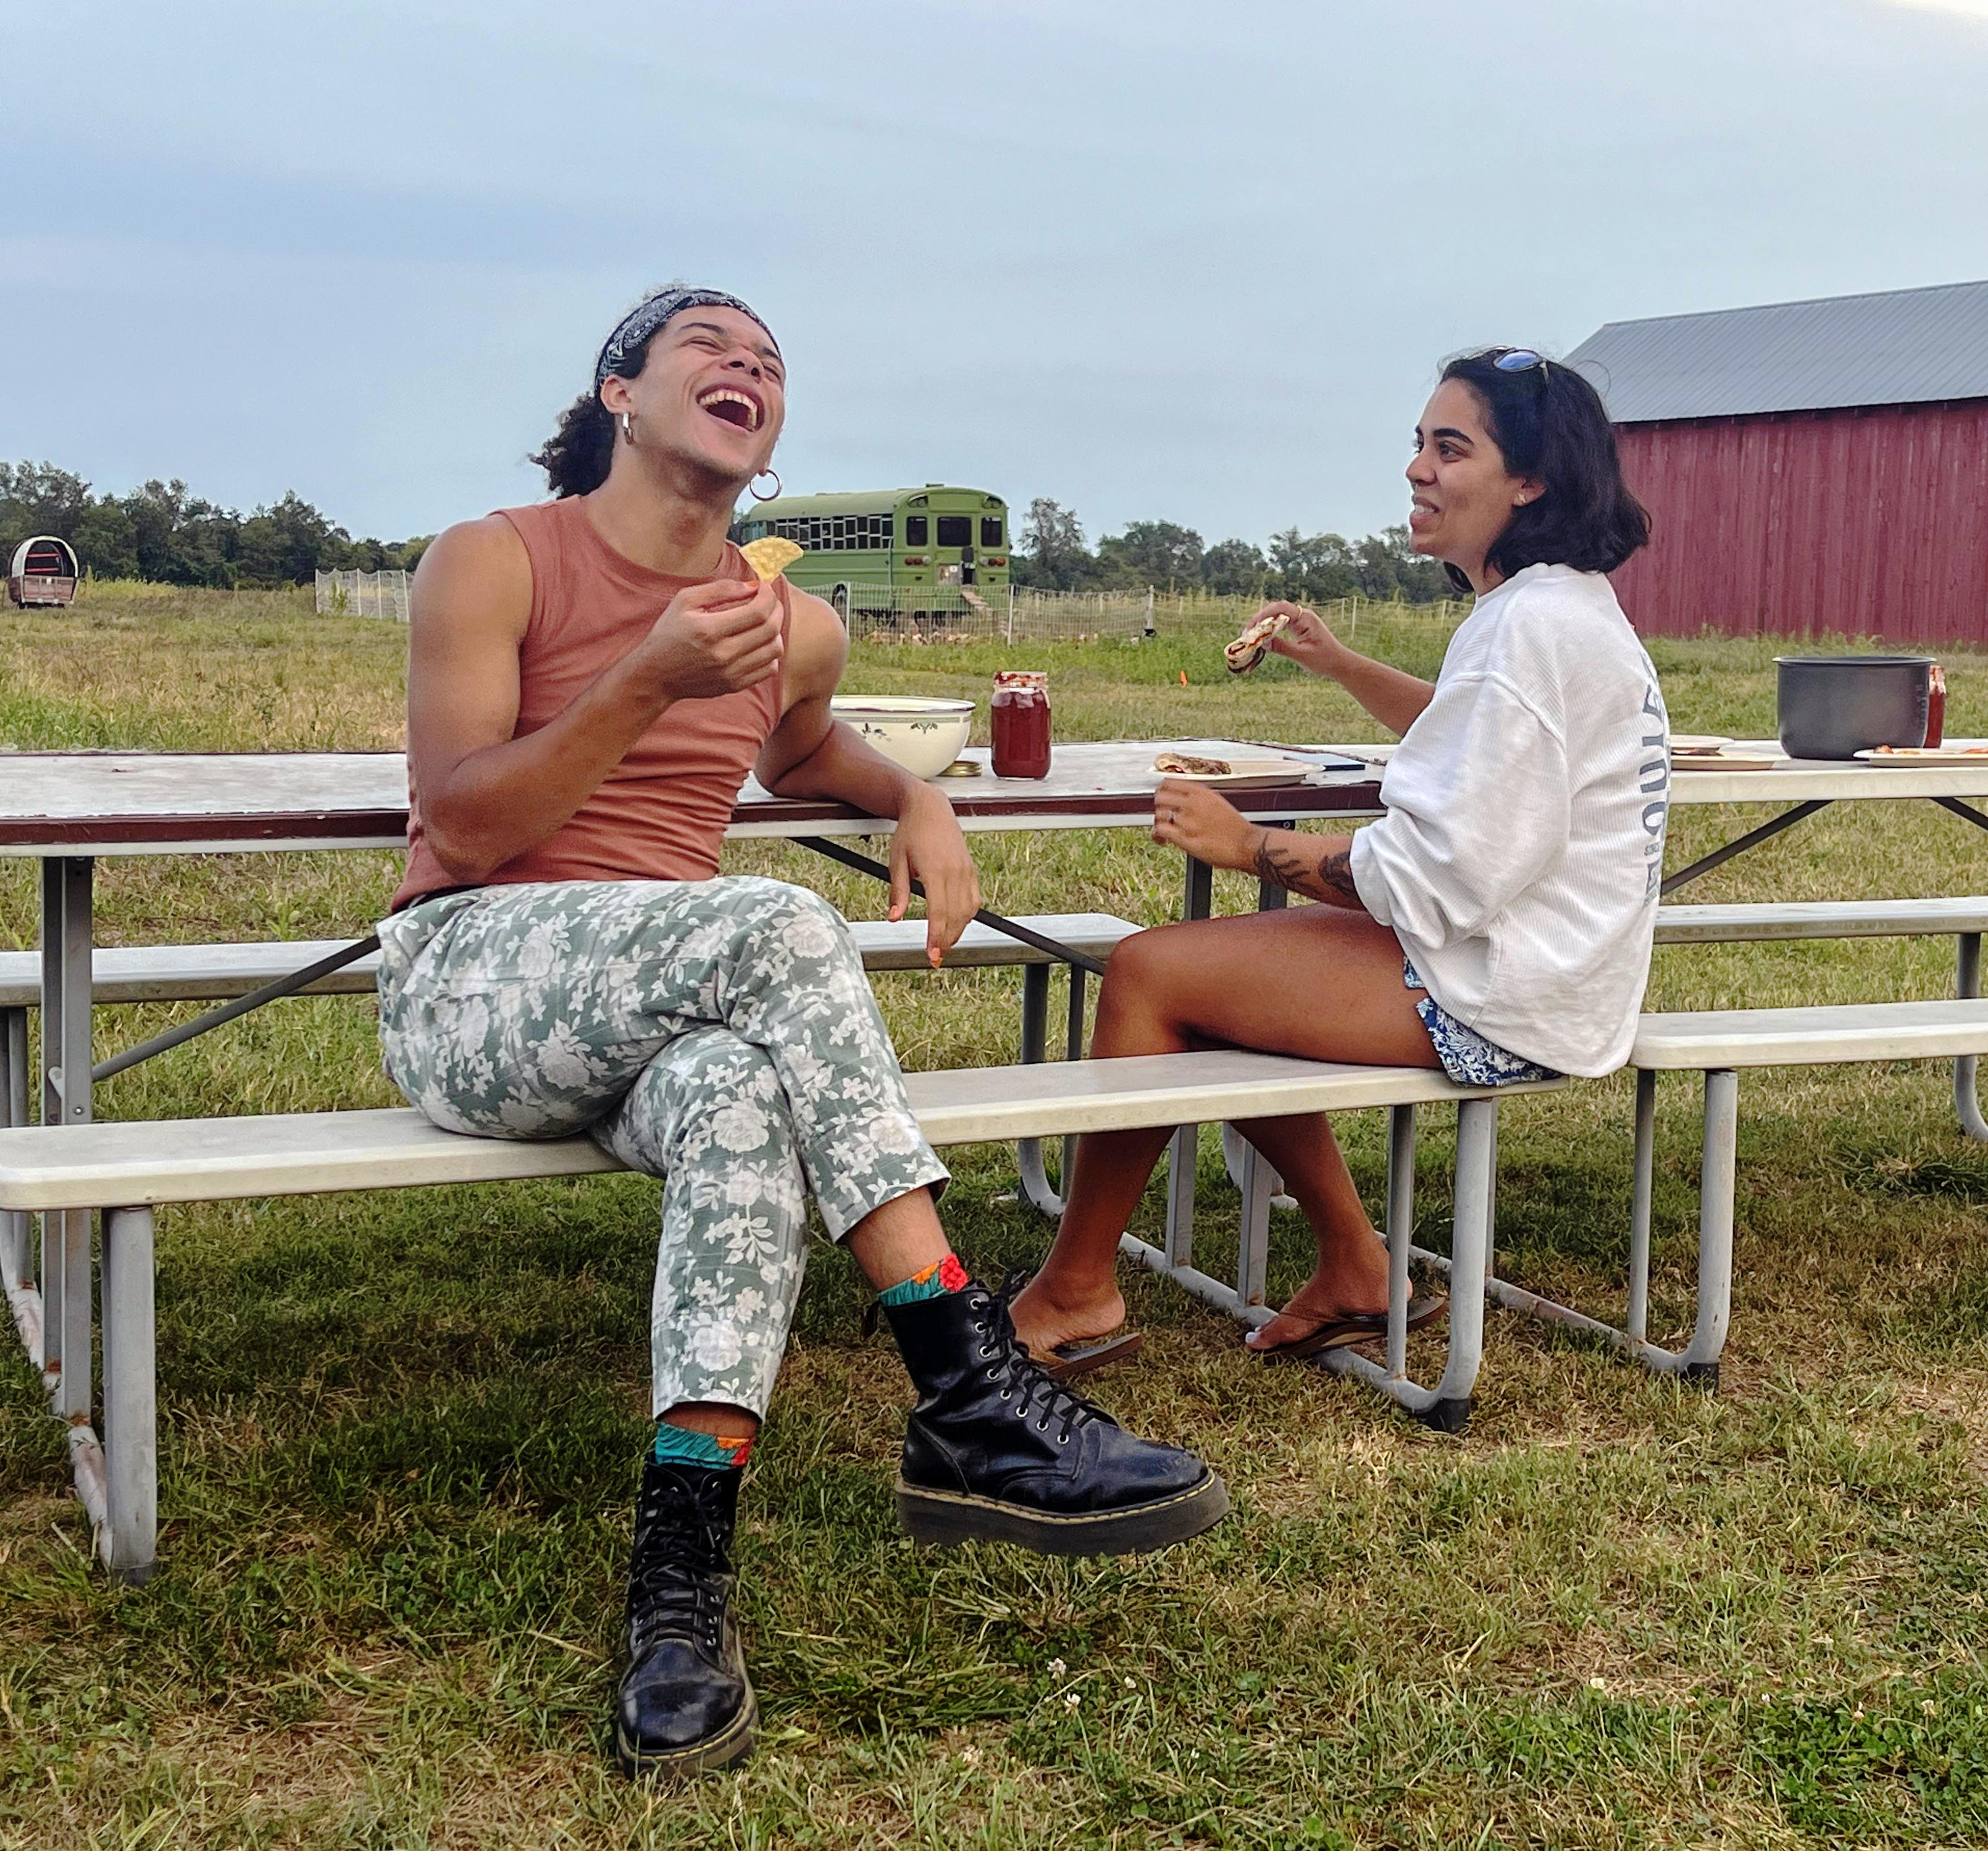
(651, 313)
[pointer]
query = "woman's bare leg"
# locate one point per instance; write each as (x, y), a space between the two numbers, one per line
(1319, 981)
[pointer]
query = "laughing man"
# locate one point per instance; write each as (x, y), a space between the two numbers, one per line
(591, 680)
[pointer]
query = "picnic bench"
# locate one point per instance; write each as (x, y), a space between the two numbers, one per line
(1718, 1043)
(128, 1170)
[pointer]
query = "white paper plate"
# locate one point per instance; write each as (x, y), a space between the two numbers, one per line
(1244, 774)
(1696, 743)
(1924, 755)
(1722, 761)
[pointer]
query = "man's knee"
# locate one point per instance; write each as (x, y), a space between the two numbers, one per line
(799, 920)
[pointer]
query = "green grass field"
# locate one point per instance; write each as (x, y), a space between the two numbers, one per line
(400, 1431)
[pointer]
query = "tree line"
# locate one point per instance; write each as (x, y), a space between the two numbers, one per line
(1051, 553)
(164, 532)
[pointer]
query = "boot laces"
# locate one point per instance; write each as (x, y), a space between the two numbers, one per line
(1033, 1392)
(678, 1579)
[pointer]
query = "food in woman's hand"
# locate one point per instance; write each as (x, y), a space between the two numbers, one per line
(771, 557)
(1179, 763)
(1254, 644)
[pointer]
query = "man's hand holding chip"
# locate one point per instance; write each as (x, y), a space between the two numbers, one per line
(714, 639)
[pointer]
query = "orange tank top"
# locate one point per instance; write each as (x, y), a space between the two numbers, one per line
(660, 814)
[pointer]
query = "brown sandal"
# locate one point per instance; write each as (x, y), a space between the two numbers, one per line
(1336, 1333)
(1086, 1354)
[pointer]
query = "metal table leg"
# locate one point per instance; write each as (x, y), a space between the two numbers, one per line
(66, 936)
(1740, 844)
(1447, 1406)
(1967, 983)
(1034, 1045)
(1262, 1188)
(1197, 902)
(17, 1269)
(128, 1532)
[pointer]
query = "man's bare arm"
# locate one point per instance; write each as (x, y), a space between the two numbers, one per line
(810, 755)
(1319, 867)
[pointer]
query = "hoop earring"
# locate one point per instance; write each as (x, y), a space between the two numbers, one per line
(754, 491)
(627, 427)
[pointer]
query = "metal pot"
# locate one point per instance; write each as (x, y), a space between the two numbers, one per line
(1836, 706)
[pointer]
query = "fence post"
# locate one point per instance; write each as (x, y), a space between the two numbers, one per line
(1149, 611)
(1011, 614)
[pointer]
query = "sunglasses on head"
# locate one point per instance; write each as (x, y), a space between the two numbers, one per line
(1522, 360)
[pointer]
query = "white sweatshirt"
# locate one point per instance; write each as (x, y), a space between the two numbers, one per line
(1520, 856)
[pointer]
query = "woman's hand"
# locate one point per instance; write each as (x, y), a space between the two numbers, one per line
(1307, 639)
(1202, 823)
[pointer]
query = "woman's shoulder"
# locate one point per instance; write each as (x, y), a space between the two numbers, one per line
(1556, 611)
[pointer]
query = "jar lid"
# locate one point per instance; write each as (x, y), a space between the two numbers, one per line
(1022, 678)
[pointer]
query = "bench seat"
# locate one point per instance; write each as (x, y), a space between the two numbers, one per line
(127, 1169)
(214, 973)
(1703, 1040)
(149, 1161)
(1718, 1043)
(1762, 921)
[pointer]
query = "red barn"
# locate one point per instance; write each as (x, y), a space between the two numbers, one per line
(1808, 466)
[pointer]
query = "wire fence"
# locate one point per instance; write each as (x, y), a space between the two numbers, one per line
(363, 594)
(968, 614)
(962, 613)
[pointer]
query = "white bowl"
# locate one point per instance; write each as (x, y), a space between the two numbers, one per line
(922, 734)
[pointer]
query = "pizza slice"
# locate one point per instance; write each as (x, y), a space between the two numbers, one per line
(1254, 644)
(771, 557)
(1179, 762)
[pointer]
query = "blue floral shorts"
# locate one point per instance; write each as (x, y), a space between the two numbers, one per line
(1466, 1057)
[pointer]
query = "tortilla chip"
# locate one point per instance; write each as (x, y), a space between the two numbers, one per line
(771, 557)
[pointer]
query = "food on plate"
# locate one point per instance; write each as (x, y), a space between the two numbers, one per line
(1916, 752)
(1183, 762)
(1254, 644)
(771, 557)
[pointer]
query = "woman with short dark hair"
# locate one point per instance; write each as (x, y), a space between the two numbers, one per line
(1495, 922)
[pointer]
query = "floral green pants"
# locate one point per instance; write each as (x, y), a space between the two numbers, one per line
(719, 1034)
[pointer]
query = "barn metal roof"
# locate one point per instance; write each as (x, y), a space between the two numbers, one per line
(1900, 347)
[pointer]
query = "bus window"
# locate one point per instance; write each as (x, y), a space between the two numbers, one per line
(990, 531)
(955, 530)
(917, 530)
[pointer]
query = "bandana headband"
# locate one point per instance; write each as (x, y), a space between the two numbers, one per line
(649, 315)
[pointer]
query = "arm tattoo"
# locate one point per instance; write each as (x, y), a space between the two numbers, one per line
(1304, 865)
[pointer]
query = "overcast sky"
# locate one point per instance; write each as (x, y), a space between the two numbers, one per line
(1164, 259)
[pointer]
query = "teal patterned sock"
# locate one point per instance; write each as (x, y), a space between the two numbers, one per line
(946, 1275)
(679, 1446)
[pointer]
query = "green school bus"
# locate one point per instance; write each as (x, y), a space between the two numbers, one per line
(949, 543)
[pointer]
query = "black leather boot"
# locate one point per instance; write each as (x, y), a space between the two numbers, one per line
(995, 1449)
(685, 1705)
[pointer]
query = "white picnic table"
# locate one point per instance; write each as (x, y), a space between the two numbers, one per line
(69, 810)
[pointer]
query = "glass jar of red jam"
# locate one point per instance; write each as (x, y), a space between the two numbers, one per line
(1021, 724)
(1936, 705)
